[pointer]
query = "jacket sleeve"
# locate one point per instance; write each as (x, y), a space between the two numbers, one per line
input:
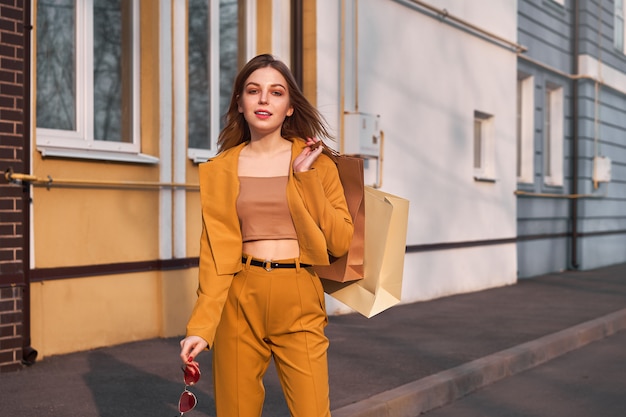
(323, 196)
(212, 293)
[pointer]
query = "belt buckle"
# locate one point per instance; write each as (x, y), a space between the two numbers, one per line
(267, 265)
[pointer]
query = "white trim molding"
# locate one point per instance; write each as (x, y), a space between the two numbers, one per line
(609, 76)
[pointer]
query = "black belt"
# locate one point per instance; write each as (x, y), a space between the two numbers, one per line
(269, 265)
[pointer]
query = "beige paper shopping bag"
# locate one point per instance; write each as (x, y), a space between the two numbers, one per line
(385, 246)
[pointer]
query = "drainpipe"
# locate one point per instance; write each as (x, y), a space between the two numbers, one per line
(574, 161)
(297, 42)
(29, 355)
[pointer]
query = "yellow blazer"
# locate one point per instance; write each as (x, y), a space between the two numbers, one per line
(318, 208)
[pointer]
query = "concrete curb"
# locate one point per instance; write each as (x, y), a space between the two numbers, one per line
(414, 398)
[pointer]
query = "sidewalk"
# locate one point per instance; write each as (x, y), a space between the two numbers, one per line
(585, 382)
(407, 360)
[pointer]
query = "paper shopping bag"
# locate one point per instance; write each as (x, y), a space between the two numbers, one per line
(385, 246)
(350, 266)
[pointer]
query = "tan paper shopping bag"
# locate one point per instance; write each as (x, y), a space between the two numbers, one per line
(350, 266)
(385, 245)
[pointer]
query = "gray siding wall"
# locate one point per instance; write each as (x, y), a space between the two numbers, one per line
(544, 27)
(545, 224)
(602, 221)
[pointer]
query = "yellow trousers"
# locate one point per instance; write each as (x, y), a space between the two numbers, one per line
(276, 314)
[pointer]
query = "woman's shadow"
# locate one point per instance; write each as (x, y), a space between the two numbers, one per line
(145, 378)
(125, 381)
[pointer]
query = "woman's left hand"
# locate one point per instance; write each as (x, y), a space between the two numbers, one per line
(306, 158)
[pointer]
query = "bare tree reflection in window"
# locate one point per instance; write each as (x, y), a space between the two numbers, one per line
(199, 69)
(112, 70)
(198, 61)
(228, 51)
(56, 64)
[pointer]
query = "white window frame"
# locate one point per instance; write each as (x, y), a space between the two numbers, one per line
(620, 20)
(483, 139)
(553, 136)
(525, 129)
(80, 143)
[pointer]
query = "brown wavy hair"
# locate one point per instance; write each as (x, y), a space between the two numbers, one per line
(305, 122)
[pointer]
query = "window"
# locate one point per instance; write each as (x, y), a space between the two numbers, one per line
(88, 79)
(213, 53)
(553, 136)
(525, 129)
(483, 147)
(619, 27)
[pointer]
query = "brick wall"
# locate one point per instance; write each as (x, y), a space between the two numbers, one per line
(11, 222)
(13, 210)
(11, 328)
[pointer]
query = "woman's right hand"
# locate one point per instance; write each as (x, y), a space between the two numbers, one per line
(308, 155)
(191, 347)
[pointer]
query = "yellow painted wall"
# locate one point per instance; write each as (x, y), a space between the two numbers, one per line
(309, 49)
(150, 88)
(194, 224)
(178, 295)
(264, 27)
(85, 313)
(75, 227)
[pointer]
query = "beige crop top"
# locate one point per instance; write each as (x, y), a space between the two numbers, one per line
(262, 209)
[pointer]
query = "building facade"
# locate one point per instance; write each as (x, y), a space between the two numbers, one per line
(571, 138)
(109, 109)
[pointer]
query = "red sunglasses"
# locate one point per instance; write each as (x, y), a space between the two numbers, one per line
(191, 375)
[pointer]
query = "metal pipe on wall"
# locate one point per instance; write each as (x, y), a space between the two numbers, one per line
(29, 354)
(49, 182)
(445, 15)
(574, 161)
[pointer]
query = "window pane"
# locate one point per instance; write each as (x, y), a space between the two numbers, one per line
(56, 68)
(228, 51)
(619, 25)
(198, 74)
(112, 70)
(199, 121)
(478, 145)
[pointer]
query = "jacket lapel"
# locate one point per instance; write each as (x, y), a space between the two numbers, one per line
(219, 188)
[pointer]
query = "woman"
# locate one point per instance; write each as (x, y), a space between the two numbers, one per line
(272, 206)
